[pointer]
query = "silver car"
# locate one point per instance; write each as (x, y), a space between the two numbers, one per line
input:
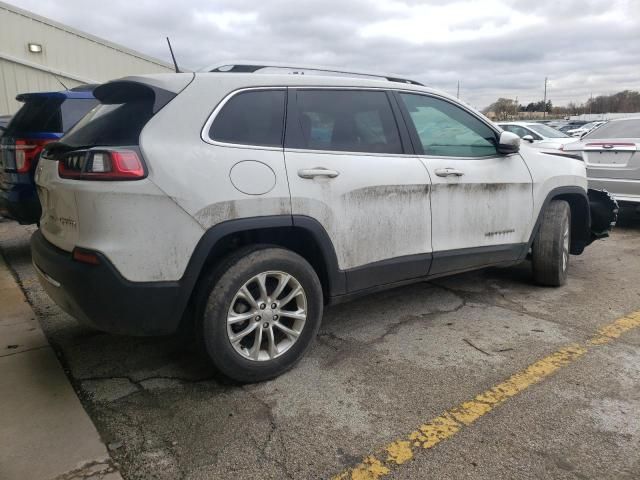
(612, 155)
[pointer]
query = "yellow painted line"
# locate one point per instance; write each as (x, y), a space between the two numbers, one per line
(374, 467)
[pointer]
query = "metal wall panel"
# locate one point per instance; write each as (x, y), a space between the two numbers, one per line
(74, 57)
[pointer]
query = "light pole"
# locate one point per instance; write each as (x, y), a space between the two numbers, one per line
(544, 106)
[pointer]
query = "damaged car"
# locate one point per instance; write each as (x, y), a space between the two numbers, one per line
(277, 194)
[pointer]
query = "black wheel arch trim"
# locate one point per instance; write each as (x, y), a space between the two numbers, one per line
(335, 277)
(580, 225)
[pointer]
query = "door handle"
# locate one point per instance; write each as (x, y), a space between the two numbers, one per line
(448, 172)
(317, 172)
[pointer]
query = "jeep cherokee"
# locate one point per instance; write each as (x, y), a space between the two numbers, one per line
(240, 203)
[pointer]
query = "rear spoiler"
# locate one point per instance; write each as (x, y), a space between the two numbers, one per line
(125, 91)
(81, 92)
(159, 88)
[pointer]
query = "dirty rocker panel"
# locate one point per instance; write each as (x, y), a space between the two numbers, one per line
(410, 269)
(388, 271)
(460, 260)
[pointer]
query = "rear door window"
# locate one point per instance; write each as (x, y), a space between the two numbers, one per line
(253, 117)
(347, 121)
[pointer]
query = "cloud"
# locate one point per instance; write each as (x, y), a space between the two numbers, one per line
(494, 47)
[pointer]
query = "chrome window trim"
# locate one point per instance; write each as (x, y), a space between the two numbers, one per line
(204, 134)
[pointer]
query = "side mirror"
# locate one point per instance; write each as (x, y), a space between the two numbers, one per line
(508, 143)
(528, 138)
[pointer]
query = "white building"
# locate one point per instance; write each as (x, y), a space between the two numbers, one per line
(592, 117)
(38, 54)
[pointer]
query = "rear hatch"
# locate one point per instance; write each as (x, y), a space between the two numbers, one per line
(96, 157)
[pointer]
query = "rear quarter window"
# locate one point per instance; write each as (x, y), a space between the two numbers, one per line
(251, 118)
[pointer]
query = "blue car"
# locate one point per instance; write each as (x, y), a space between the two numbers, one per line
(43, 118)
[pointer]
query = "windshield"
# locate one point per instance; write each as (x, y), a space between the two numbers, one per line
(547, 132)
(618, 129)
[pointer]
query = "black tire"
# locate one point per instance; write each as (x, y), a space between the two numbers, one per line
(217, 292)
(550, 255)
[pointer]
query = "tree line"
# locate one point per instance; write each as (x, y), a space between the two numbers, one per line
(627, 101)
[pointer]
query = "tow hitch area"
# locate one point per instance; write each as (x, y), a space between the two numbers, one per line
(604, 213)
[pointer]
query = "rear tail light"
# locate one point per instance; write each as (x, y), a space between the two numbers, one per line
(102, 165)
(26, 153)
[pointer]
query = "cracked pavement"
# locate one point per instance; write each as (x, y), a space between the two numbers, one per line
(380, 366)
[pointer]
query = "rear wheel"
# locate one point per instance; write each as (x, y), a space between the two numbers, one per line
(259, 312)
(550, 250)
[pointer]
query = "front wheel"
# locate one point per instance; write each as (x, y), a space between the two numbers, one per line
(550, 250)
(260, 311)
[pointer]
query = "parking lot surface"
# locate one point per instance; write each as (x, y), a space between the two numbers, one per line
(383, 367)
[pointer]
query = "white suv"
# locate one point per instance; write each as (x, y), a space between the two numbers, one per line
(241, 203)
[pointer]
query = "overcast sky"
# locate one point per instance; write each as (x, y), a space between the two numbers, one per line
(493, 47)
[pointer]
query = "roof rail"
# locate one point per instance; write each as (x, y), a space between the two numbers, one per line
(253, 67)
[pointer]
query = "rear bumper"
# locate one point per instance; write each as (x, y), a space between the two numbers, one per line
(99, 296)
(18, 199)
(635, 199)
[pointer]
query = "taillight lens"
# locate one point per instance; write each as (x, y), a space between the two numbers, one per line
(102, 165)
(26, 153)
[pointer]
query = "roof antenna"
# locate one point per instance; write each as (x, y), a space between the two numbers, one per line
(175, 64)
(59, 81)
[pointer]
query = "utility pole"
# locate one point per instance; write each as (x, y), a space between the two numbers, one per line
(458, 94)
(544, 107)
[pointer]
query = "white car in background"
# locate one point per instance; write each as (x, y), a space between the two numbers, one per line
(538, 134)
(586, 128)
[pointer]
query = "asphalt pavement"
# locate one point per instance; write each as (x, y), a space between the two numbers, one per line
(480, 375)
